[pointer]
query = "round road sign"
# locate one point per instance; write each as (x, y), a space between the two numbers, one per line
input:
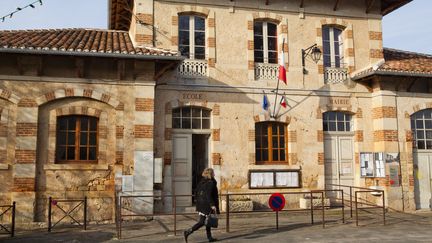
(277, 201)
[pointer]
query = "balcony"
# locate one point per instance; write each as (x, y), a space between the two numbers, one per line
(266, 71)
(334, 75)
(191, 68)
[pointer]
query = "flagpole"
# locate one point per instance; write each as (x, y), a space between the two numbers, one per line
(277, 86)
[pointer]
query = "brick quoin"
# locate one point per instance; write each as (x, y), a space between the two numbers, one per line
(145, 39)
(384, 112)
(143, 131)
(386, 136)
(292, 136)
(251, 135)
(216, 134)
(119, 157)
(25, 156)
(376, 53)
(375, 35)
(320, 136)
(211, 22)
(216, 158)
(119, 131)
(145, 18)
(3, 155)
(359, 136)
(26, 129)
(320, 158)
(23, 185)
(216, 110)
(144, 104)
(3, 130)
(26, 102)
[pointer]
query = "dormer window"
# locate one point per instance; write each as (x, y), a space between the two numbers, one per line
(192, 36)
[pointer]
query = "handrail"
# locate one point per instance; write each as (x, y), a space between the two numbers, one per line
(12, 207)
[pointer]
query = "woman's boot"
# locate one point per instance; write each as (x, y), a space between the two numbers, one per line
(186, 234)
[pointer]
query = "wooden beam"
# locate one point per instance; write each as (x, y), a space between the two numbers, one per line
(301, 3)
(336, 5)
(121, 67)
(369, 4)
(79, 67)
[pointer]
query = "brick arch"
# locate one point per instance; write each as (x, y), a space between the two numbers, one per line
(74, 92)
(419, 107)
(347, 36)
(78, 110)
(9, 96)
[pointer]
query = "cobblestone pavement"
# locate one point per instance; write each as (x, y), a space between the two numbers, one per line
(400, 227)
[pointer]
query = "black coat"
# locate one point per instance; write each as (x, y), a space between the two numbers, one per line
(207, 196)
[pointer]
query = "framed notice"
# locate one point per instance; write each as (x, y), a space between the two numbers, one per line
(372, 164)
(264, 179)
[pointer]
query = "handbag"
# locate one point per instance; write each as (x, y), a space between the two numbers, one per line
(211, 220)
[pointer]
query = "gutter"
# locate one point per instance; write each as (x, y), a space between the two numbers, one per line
(93, 54)
(392, 73)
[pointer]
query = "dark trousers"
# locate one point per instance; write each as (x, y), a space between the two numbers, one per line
(199, 224)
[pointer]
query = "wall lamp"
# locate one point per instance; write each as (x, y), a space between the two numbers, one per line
(314, 52)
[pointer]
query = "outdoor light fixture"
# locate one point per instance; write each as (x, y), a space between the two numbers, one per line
(314, 52)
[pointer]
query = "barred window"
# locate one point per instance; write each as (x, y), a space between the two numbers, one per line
(191, 118)
(421, 126)
(334, 121)
(270, 142)
(77, 139)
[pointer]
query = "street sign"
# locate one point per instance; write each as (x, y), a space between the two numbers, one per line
(277, 202)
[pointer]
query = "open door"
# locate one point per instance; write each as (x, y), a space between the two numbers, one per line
(182, 168)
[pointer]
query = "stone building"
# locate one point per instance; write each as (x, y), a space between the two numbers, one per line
(82, 107)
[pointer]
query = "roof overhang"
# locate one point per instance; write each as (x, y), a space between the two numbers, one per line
(120, 14)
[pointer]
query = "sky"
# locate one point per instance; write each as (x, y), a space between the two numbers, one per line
(408, 28)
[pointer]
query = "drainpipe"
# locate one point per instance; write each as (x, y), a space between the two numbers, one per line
(399, 149)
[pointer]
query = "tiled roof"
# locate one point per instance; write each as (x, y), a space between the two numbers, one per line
(78, 41)
(401, 63)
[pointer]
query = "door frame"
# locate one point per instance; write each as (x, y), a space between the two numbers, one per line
(191, 132)
(337, 135)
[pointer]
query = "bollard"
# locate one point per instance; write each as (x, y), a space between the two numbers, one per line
(227, 213)
(13, 219)
(49, 213)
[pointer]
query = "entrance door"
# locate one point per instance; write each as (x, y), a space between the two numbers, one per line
(338, 160)
(182, 168)
(199, 158)
(423, 180)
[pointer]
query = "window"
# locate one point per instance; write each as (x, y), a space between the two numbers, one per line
(421, 126)
(77, 139)
(191, 118)
(192, 36)
(334, 121)
(260, 179)
(332, 47)
(265, 42)
(270, 142)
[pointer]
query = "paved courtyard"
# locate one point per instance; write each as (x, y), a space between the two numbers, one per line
(293, 227)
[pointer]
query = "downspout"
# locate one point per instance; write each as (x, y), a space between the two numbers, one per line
(399, 149)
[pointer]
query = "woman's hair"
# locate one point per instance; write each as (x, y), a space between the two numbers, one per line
(208, 173)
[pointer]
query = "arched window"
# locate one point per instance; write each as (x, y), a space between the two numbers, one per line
(77, 139)
(270, 142)
(265, 42)
(332, 47)
(421, 126)
(191, 118)
(334, 121)
(192, 36)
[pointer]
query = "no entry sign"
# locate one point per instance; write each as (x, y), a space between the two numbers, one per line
(277, 201)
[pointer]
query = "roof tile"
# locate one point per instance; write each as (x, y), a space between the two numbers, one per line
(77, 40)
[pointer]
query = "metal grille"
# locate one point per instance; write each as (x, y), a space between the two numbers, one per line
(193, 68)
(266, 71)
(335, 75)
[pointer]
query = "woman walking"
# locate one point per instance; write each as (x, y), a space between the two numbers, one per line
(207, 201)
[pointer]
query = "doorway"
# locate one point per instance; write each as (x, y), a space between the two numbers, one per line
(199, 159)
(190, 158)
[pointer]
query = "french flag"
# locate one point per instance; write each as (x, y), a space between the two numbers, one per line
(283, 102)
(282, 69)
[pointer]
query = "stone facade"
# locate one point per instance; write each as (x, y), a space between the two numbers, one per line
(135, 100)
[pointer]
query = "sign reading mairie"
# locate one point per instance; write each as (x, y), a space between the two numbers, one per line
(339, 102)
(193, 96)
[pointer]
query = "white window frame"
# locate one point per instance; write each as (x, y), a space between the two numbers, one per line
(332, 48)
(192, 36)
(265, 40)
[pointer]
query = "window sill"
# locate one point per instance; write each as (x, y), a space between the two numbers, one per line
(4, 166)
(75, 167)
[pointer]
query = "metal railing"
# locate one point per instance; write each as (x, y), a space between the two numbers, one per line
(266, 71)
(228, 213)
(68, 212)
(3, 226)
(191, 68)
(357, 200)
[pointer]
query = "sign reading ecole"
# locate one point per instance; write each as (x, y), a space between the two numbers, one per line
(193, 96)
